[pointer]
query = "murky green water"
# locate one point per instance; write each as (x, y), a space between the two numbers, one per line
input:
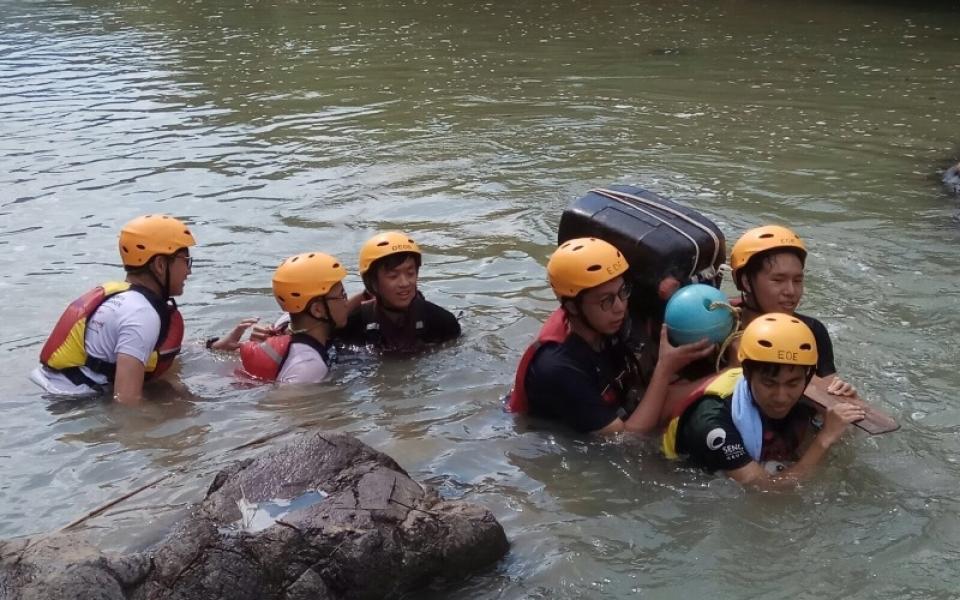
(277, 128)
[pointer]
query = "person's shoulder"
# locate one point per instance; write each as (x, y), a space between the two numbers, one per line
(132, 304)
(558, 359)
(432, 310)
(814, 324)
(708, 413)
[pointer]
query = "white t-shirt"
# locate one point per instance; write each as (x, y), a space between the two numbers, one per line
(124, 324)
(303, 365)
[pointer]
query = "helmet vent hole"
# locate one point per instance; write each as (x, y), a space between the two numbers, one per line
(766, 236)
(771, 319)
(383, 243)
(294, 259)
(124, 248)
(765, 343)
(580, 247)
(295, 294)
(593, 268)
(141, 247)
(311, 255)
(411, 241)
(806, 347)
(794, 321)
(336, 265)
(187, 232)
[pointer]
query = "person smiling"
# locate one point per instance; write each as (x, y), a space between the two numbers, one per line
(768, 268)
(394, 316)
(748, 421)
(121, 333)
(579, 371)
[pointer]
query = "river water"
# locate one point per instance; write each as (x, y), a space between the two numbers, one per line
(280, 127)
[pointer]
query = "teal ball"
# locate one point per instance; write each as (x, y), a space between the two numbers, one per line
(692, 315)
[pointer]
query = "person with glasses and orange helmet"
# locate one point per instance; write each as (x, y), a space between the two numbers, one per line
(748, 422)
(309, 288)
(768, 268)
(121, 333)
(394, 316)
(579, 371)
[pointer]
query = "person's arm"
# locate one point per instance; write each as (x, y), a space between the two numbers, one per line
(231, 341)
(836, 421)
(646, 417)
(354, 302)
(128, 382)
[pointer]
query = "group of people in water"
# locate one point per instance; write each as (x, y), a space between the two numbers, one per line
(745, 420)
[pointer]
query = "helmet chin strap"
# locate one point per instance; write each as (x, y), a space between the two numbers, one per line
(163, 285)
(324, 320)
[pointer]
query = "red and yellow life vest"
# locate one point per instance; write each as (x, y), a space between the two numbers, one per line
(721, 386)
(65, 348)
(263, 360)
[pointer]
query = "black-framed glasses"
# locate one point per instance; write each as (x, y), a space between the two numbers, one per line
(341, 296)
(186, 257)
(606, 302)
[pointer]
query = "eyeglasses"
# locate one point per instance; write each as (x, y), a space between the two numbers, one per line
(341, 296)
(185, 257)
(606, 302)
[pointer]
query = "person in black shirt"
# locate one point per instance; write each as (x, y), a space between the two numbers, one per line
(393, 315)
(743, 424)
(578, 371)
(768, 264)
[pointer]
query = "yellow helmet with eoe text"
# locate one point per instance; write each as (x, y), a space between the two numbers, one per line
(383, 245)
(583, 263)
(778, 338)
(145, 237)
(761, 239)
(301, 278)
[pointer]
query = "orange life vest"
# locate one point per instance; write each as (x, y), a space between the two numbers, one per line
(65, 350)
(263, 360)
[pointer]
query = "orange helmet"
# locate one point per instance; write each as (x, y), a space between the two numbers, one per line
(385, 244)
(145, 237)
(584, 263)
(761, 239)
(301, 278)
(778, 338)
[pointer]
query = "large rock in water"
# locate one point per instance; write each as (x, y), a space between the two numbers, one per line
(357, 526)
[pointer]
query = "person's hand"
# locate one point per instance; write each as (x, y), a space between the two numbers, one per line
(674, 358)
(231, 341)
(839, 387)
(260, 333)
(838, 418)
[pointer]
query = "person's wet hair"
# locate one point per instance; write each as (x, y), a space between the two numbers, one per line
(766, 259)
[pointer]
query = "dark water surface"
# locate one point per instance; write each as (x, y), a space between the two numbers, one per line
(277, 128)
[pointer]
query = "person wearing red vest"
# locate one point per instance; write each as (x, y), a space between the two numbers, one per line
(121, 333)
(748, 422)
(309, 287)
(578, 371)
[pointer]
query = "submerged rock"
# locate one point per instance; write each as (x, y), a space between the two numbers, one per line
(325, 517)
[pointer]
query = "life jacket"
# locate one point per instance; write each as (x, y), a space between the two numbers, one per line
(264, 360)
(721, 386)
(554, 331)
(778, 444)
(65, 349)
(381, 331)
